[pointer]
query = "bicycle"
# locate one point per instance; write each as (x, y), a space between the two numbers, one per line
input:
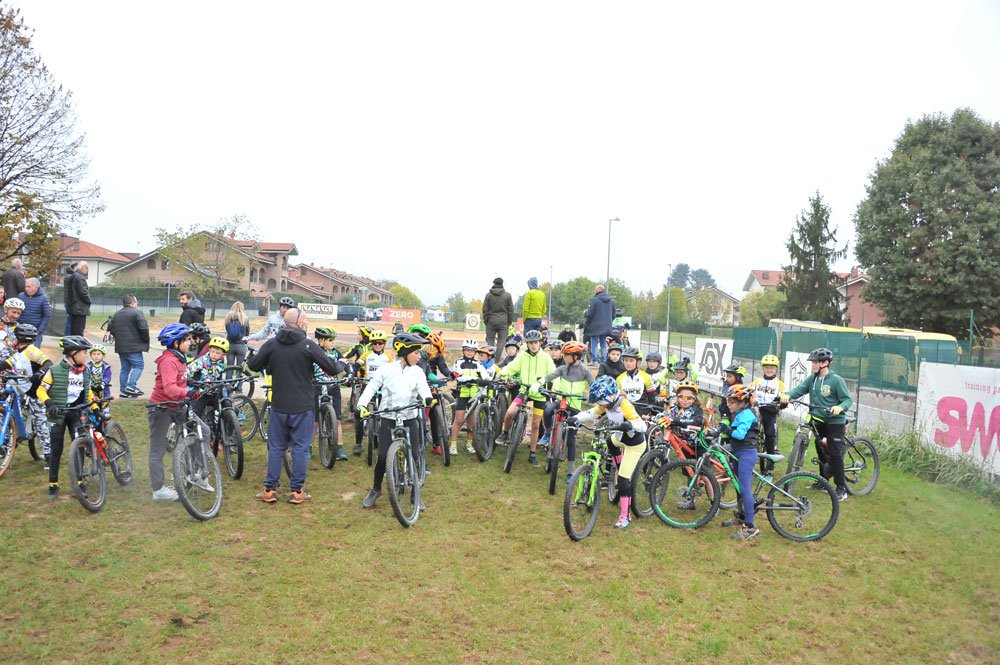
(224, 424)
(522, 415)
(405, 467)
(444, 408)
(681, 486)
(108, 337)
(483, 412)
(557, 442)
(246, 409)
(14, 426)
(194, 467)
(861, 461)
(597, 471)
(327, 435)
(92, 450)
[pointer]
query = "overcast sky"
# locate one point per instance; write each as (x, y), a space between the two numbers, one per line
(443, 144)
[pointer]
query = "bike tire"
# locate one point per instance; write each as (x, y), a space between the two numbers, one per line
(119, 453)
(557, 445)
(248, 415)
(33, 447)
(798, 452)
(514, 437)
(401, 483)
(232, 442)
(642, 480)
(327, 436)
(680, 483)
(189, 455)
(86, 474)
(236, 371)
(484, 434)
(862, 466)
(445, 436)
(810, 504)
(581, 500)
(264, 423)
(370, 434)
(501, 406)
(7, 445)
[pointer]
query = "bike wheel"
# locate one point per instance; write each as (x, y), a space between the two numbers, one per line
(265, 420)
(556, 449)
(197, 479)
(802, 506)
(444, 423)
(514, 437)
(232, 442)
(119, 453)
(246, 412)
(684, 497)
(581, 503)
(727, 495)
(642, 480)
(327, 436)
(612, 488)
(484, 434)
(798, 452)
(861, 466)
(86, 474)
(371, 432)
(501, 406)
(7, 446)
(33, 447)
(401, 483)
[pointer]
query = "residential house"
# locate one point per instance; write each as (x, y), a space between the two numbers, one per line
(101, 261)
(330, 284)
(851, 284)
(723, 309)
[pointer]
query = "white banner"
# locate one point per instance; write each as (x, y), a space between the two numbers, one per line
(664, 343)
(711, 356)
(318, 310)
(472, 321)
(958, 409)
(797, 369)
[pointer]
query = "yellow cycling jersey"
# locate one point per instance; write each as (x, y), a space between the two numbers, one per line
(370, 362)
(766, 391)
(635, 384)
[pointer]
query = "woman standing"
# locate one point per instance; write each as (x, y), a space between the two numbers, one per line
(237, 329)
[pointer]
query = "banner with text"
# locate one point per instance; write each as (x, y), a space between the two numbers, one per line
(319, 310)
(797, 368)
(405, 316)
(711, 356)
(958, 409)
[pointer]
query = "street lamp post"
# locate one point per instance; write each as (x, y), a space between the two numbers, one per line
(670, 270)
(549, 308)
(607, 277)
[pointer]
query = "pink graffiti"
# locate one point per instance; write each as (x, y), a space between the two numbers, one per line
(953, 414)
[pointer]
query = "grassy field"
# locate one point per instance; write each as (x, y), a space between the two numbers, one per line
(486, 576)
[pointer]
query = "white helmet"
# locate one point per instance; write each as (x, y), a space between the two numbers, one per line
(14, 303)
(470, 344)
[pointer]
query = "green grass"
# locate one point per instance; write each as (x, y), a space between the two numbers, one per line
(487, 575)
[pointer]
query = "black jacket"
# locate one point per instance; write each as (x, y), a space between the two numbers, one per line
(193, 312)
(76, 293)
(288, 357)
(498, 308)
(12, 282)
(600, 313)
(130, 329)
(567, 336)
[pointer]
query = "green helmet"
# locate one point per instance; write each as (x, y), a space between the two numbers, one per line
(420, 329)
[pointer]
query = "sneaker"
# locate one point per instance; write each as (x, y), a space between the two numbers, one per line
(81, 487)
(422, 506)
(267, 496)
(341, 454)
(470, 449)
(544, 441)
(201, 482)
(622, 523)
(299, 497)
(732, 521)
(453, 449)
(369, 501)
(746, 532)
(165, 493)
(501, 440)
(125, 395)
(53, 490)
(533, 460)
(134, 391)
(436, 450)
(842, 495)
(357, 450)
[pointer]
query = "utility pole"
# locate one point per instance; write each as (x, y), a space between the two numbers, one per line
(549, 308)
(607, 277)
(670, 270)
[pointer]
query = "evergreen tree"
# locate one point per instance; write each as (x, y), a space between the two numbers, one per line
(809, 282)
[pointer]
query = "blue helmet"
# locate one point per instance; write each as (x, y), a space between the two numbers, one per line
(173, 333)
(604, 388)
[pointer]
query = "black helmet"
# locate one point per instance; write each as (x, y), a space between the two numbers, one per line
(654, 355)
(821, 355)
(25, 332)
(632, 352)
(200, 330)
(324, 332)
(738, 370)
(532, 336)
(684, 365)
(614, 346)
(71, 343)
(405, 342)
(286, 301)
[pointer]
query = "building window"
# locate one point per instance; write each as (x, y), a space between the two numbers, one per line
(253, 274)
(272, 284)
(284, 285)
(151, 264)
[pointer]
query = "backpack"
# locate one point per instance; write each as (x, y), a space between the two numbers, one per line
(234, 331)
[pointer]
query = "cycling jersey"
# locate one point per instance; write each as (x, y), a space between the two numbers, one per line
(571, 380)
(28, 361)
(766, 391)
(530, 368)
(7, 339)
(612, 369)
(100, 377)
(203, 369)
(636, 386)
(370, 362)
(468, 370)
(359, 350)
(693, 416)
(332, 354)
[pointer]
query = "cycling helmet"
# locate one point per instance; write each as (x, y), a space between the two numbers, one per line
(684, 365)
(532, 336)
(325, 333)
(486, 350)
(512, 341)
(219, 343)
(71, 343)
(172, 333)
(603, 389)
(631, 352)
(286, 301)
(654, 356)
(25, 332)
(735, 369)
(469, 344)
(686, 385)
(420, 329)
(821, 354)
(770, 359)
(740, 393)
(614, 346)
(99, 347)
(556, 344)
(574, 348)
(405, 342)
(200, 331)
(14, 303)
(436, 343)
(378, 336)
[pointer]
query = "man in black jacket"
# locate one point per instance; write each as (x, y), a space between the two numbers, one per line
(12, 280)
(192, 310)
(498, 314)
(131, 332)
(76, 295)
(288, 358)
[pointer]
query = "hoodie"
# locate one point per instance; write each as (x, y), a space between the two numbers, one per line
(600, 312)
(193, 312)
(534, 301)
(498, 308)
(289, 357)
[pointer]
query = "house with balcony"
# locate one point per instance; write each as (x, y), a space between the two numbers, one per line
(331, 285)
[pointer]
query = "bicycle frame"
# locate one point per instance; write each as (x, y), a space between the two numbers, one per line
(13, 413)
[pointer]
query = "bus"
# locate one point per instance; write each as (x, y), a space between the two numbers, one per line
(794, 325)
(902, 349)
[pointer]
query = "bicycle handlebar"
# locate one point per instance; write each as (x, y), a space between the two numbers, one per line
(415, 405)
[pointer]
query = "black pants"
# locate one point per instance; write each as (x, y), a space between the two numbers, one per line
(831, 457)
(547, 417)
(496, 336)
(385, 426)
(57, 432)
(77, 322)
(769, 420)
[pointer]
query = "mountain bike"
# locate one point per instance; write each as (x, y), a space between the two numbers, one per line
(246, 409)
(197, 476)
(484, 416)
(861, 461)
(13, 425)
(522, 416)
(557, 442)
(327, 435)
(442, 413)
(405, 466)
(92, 450)
(597, 472)
(224, 423)
(800, 506)
(108, 337)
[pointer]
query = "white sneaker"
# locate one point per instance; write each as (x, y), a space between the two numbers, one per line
(470, 449)
(165, 494)
(453, 449)
(201, 482)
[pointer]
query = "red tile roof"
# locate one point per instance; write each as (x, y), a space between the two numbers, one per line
(73, 248)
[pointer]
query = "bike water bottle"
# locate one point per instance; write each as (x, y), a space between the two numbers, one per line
(99, 438)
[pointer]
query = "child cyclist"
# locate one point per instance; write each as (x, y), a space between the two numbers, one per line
(437, 372)
(531, 366)
(571, 378)
(208, 367)
(100, 371)
(655, 368)
(363, 346)
(626, 445)
(401, 384)
(554, 348)
(325, 338)
(368, 365)
(742, 435)
(767, 390)
(635, 383)
(467, 372)
(510, 349)
(29, 361)
(687, 414)
(613, 366)
(732, 377)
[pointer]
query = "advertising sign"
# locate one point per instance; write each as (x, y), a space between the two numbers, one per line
(711, 356)
(318, 310)
(405, 316)
(797, 368)
(472, 321)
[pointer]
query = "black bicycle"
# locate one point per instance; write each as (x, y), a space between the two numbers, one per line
(197, 476)
(98, 442)
(486, 418)
(327, 433)
(405, 466)
(223, 421)
(861, 461)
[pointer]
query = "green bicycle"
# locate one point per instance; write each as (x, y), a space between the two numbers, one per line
(597, 471)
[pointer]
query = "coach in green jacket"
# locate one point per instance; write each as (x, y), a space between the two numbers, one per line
(534, 306)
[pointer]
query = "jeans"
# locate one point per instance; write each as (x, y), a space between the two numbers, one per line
(132, 365)
(236, 355)
(746, 461)
(598, 348)
(286, 430)
(532, 324)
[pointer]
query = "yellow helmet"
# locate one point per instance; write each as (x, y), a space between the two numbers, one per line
(686, 385)
(770, 359)
(377, 336)
(219, 343)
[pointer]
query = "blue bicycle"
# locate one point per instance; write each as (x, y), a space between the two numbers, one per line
(13, 428)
